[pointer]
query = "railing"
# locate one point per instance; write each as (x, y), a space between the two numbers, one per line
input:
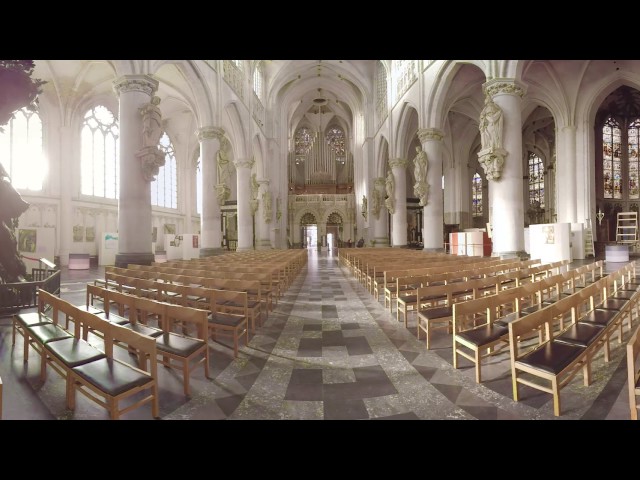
(16, 296)
(320, 198)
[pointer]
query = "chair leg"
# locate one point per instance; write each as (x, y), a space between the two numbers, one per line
(478, 366)
(155, 406)
(556, 397)
(25, 348)
(185, 375)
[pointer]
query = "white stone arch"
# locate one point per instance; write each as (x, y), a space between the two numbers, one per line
(382, 157)
(338, 211)
(258, 155)
(233, 125)
(437, 96)
(301, 213)
(406, 130)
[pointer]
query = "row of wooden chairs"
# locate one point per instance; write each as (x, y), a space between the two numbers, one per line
(88, 369)
(633, 373)
(596, 311)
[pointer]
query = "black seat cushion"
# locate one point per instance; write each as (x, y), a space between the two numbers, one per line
(531, 309)
(507, 319)
(613, 304)
(74, 352)
(226, 319)
(436, 313)
(113, 318)
(484, 334)
(599, 316)
(580, 334)
(144, 329)
(552, 357)
(408, 298)
(623, 295)
(33, 318)
(90, 309)
(48, 332)
(112, 377)
(177, 344)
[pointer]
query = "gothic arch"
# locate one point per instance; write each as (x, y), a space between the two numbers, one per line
(299, 215)
(235, 130)
(380, 169)
(332, 216)
(407, 129)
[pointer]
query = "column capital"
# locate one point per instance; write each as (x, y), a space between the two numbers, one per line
(208, 133)
(379, 182)
(244, 163)
(264, 182)
(398, 162)
(504, 86)
(568, 128)
(430, 134)
(135, 83)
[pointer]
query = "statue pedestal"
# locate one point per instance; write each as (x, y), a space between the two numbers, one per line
(492, 161)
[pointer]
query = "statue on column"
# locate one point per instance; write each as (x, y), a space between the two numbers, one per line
(223, 192)
(492, 155)
(266, 206)
(255, 188)
(364, 206)
(150, 155)
(390, 201)
(12, 268)
(421, 187)
(376, 200)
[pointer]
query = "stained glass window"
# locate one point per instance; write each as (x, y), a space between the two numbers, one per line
(536, 180)
(21, 150)
(303, 141)
(258, 80)
(99, 158)
(634, 137)
(611, 161)
(164, 189)
(476, 185)
(335, 138)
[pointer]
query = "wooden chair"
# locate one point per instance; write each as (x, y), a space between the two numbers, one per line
(189, 352)
(223, 322)
(633, 373)
(108, 381)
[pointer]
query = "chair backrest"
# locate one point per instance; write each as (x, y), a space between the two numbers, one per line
(88, 320)
(47, 300)
(94, 291)
(144, 345)
(145, 308)
(188, 315)
(125, 302)
(633, 371)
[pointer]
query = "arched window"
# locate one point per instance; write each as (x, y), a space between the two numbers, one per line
(21, 150)
(381, 92)
(199, 186)
(164, 189)
(633, 133)
(99, 159)
(302, 140)
(536, 180)
(611, 158)
(258, 81)
(336, 140)
(476, 193)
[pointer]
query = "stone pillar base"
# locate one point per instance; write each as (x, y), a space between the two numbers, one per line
(264, 245)
(434, 250)
(243, 249)
(211, 252)
(123, 259)
(521, 254)
(381, 242)
(400, 246)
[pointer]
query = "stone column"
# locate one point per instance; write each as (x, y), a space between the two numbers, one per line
(399, 232)
(66, 222)
(134, 204)
(264, 216)
(379, 213)
(245, 217)
(567, 201)
(506, 188)
(433, 211)
(210, 217)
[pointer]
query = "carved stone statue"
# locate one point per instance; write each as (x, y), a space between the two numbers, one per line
(364, 206)
(223, 192)
(151, 122)
(492, 155)
(12, 268)
(377, 197)
(390, 202)
(150, 156)
(255, 186)
(421, 187)
(490, 125)
(266, 207)
(222, 158)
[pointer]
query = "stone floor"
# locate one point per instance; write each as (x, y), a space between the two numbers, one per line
(327, 351)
